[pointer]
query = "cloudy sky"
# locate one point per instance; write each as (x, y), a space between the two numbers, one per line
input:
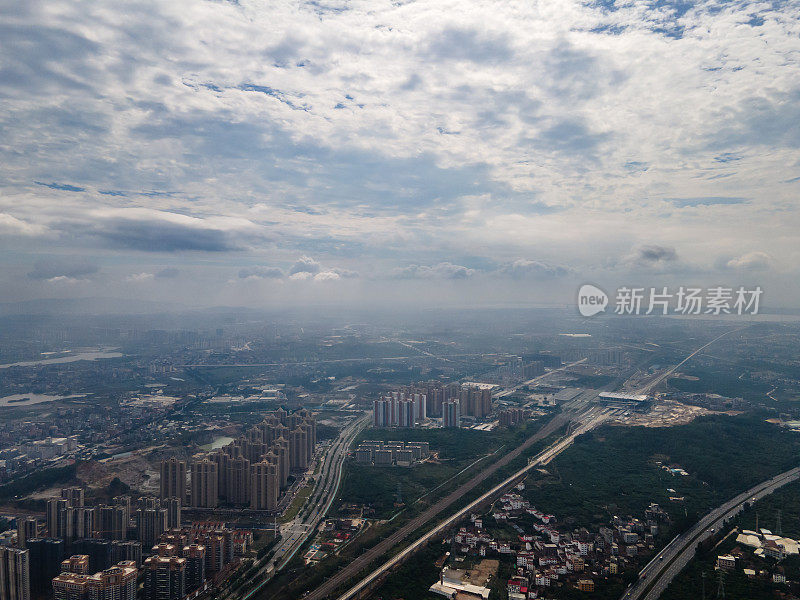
(271, 152)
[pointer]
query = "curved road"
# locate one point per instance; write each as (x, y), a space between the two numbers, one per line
(657, 575)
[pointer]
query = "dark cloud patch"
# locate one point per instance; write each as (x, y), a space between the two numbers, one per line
(324, 9)
(705, 201)
(158, 194)
(62, 268)
(168, 273)
(161, 236)
(286, 53)
(341, 176)
(671, 30)
(653, 254)
(412, 83)
(455, 43)
(536, 269)
(771, 120)
(40, 59)
(609, 29)
(575, 74)
(261, 272)
(206, 137)
(571, 136)
(79, 121)
(308, 210)
(65, 187)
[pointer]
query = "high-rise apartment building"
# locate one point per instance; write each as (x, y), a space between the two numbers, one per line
(195, 555)
(115, 583)
(173, 479)
(74, 495)
(205, 484)
(111, 522)
(264, 486)
(451, 413)
(238, 479)
(59, 523)
(151, 522)
(173, 507)
(164, 578)
(27, 529)
(128, 551)
(46, 555)
(15, 583)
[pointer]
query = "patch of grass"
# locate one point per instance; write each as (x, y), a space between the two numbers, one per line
(297, 503)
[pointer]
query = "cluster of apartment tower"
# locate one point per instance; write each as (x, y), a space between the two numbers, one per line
(87, 553)
(102, 562)
(251, 470)
(411, 406)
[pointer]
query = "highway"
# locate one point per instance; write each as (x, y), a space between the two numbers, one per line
(295, 533)
(587, 418)
(592, 416)
(672, 559)
(662, 376)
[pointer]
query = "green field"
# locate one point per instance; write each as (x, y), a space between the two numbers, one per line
(377, 486)
(297, 502)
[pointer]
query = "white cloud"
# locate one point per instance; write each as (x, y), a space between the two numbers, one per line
(305, 264)
(327, 276)
(443, 270)
(752, 261)
(301, 276)
(10, 225)
(413, 136)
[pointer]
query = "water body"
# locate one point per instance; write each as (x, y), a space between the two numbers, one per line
(28, 399)
(85, 355)
(218, 442)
